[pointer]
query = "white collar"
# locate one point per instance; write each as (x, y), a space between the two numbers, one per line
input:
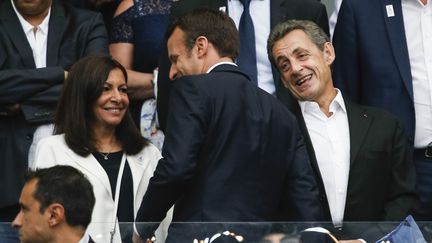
(218, 64)
(27, 26)
(337, 102)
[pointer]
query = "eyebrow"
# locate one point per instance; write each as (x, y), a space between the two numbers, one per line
(22, 205)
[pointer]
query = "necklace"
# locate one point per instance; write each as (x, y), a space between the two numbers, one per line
(105, 155)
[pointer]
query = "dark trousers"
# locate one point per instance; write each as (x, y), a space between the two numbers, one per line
(423, 166)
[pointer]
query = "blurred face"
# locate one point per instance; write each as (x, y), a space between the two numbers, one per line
(183, 62)
(33, 225)
(32, 8)
(304, 69)
(110, 108)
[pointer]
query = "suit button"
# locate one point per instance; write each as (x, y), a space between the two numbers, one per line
(28, 137)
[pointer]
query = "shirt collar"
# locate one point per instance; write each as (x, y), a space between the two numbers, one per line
(85, 238)
(27, 26)
(337, 103)
(218, 64)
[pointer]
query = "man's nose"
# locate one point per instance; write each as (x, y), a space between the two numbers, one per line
(17, 222)
(173, 72)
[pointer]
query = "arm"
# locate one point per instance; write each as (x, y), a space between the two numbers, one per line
(302, 190)
(183, 142)
(402, 197)
(17, 85)
(122, 49)
(139, 84)
(346, 67)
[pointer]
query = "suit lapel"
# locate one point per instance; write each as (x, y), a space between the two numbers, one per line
(359, 122)
(92, 166)
(139, 164)
(395, 30)
(57, 26)
(16, 34)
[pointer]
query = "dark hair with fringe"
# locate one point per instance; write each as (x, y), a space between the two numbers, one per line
(74, 115)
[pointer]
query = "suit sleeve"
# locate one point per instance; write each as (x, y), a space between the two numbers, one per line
(302, 194)
(346, 67)
(402, 198)
(183, 140)
(322, 19)
(43, 85)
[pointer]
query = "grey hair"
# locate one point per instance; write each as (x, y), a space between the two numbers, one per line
(315, 33)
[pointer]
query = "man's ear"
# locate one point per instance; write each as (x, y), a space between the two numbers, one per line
(329, 53)
(56, 214)
(202, 45)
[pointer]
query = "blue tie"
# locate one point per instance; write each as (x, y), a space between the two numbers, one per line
(247, 57)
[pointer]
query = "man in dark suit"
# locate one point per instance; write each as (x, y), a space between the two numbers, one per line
(360, 155)
(275, 11)
(232, 152)
(384, 60)
(56, 206)
(32, 72)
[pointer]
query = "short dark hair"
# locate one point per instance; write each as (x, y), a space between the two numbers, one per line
(74, 113)
(215, 25)
(315, 33)
(67, 186)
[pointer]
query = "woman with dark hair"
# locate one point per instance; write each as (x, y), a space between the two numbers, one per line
(96, 134)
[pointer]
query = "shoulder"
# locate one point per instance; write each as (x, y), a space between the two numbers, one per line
(123, 6)
(73, 13)
(54, 140)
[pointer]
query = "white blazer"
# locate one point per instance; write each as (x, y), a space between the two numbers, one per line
(53, 150)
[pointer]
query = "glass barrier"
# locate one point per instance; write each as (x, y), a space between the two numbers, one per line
(267, 232)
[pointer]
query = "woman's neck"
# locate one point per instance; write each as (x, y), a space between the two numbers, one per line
(106, 140)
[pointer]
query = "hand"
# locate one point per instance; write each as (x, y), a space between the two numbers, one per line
(136, 238)
(13, 109)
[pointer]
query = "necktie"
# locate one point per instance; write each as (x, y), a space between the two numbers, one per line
(247, 57)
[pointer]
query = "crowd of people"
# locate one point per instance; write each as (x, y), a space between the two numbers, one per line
(144, 111)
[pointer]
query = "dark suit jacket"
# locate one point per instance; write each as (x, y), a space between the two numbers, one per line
(381, 183)
(232, 152)
(372, 64)
(72, 34)
(280, 10)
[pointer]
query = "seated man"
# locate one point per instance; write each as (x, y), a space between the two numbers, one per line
(56, 206)
(360, 155)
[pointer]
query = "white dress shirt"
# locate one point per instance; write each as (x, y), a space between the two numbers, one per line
(418, 31)
(331, 142)
(37, 38)
(260, 13)
(85, 238)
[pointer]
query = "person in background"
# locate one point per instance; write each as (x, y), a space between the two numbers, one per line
(360, 155)
(136, 40)
(232, 152)
(384, 59)
(39, 41)
(56, 206)
(264, 15)
(95, 134)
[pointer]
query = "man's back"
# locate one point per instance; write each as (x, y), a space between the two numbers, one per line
(232, 153)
